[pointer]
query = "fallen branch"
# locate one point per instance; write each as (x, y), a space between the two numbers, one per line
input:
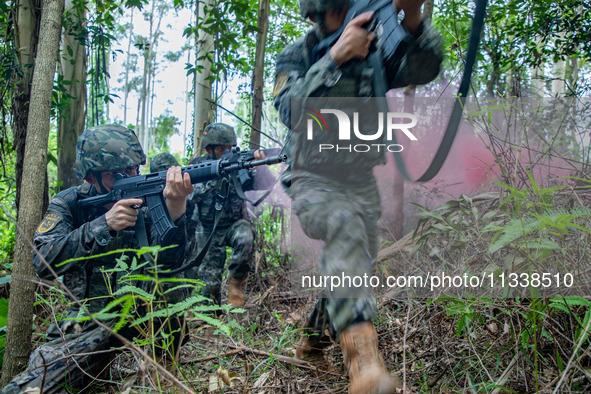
(505, 376)
(288, 360)
(201, 359)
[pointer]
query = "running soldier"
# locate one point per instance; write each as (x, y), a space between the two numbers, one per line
(338, 202)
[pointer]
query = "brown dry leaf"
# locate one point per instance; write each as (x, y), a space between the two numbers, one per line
(214, 384)
(293, 317)
(219, 380)
(492, 327)
(225, 376)
(261, 381)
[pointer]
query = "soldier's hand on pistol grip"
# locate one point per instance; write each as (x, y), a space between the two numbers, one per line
(123, 214)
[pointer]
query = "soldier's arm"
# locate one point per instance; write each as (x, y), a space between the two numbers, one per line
(422, 60)
(293, 78)
(58, 239)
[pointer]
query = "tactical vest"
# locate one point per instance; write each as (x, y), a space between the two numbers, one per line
(204, 198)
(350, 159)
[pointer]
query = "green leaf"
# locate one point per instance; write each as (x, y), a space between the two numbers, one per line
(3, 311)
(128, 289)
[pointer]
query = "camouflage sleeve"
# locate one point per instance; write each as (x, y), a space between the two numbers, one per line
(422, 61)
(58, 239)
(294, 79)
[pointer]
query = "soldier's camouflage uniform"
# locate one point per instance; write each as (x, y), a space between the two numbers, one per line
(69, 231)
(234, 230)
(336, 197)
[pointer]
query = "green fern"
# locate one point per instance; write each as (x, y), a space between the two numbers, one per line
(516, 228)
(134, 290)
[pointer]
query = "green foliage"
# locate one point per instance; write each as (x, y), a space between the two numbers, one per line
(460, 220)
(533, 222)
(226, 22)
(467, 312)
(166, 127)
(271, 228)
(3, 320)
(234, 24)
(517, 35)
(98, 35)
(575, 307)
(151, 303)
(7, 211)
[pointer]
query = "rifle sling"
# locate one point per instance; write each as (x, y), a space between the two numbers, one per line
(142, 236)
(265, 195)
(242, 195)
(458, 108)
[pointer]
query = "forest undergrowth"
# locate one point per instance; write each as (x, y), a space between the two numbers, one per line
(451, 343)
(526, 330)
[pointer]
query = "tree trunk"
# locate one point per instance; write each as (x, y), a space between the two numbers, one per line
(258, 77)
(393, 216)
(149, 74)
(127, 66)
(72, 118)
(186, 124)
(203, 111)
(572, 74)
(558, 75)
(537, 80)
(558, 83)
(22, 294)
(142, 134)
(28, 16)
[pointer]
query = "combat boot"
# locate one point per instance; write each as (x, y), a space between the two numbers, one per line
(307, 349)
(367, 372)
(235, 295)
(310, 347)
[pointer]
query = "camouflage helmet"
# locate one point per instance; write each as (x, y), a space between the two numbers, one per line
(105, 148)
(218, 134)
(309, 7)
(162, 161)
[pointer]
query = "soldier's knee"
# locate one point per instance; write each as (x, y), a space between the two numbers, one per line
(345, 223)
(241, 234)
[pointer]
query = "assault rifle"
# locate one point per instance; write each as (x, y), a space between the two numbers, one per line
(233, 165)
(392, 35)
(243, 179)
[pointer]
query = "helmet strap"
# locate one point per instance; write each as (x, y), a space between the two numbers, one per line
(99, 180)
(320, 19)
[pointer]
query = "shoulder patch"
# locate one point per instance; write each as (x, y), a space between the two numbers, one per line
(85, 188)
(49, 222)
(280, 81)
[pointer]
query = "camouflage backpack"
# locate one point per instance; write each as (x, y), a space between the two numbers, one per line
(105, 148)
